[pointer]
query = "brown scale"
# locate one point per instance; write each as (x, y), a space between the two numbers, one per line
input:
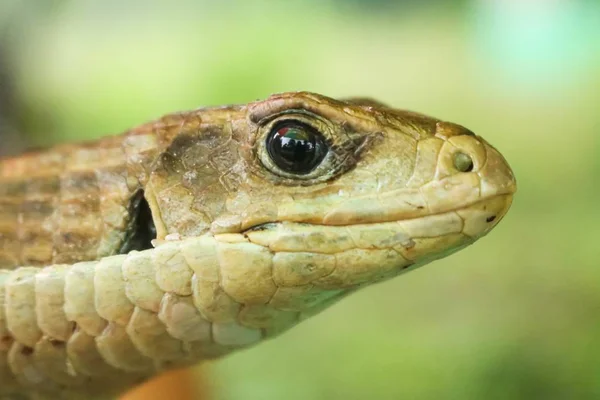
(70, 203)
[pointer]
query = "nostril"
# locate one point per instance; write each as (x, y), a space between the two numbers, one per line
(463, 162)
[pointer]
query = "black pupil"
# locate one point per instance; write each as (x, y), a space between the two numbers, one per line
(295, 147)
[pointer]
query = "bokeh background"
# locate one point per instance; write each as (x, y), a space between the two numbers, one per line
(516, 316)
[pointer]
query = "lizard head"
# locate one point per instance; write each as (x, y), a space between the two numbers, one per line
(301, 172)
(333, 194)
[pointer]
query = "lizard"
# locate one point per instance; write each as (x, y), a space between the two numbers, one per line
(208, 231)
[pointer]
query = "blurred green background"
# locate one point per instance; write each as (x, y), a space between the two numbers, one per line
(517, 316)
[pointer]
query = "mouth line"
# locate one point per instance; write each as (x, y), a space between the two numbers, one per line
(496, 218)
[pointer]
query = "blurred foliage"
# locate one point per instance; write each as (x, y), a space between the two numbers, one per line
(516, 315)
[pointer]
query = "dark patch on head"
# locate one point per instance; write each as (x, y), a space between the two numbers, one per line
(214, 136)
(490, 219)
(169, 163)
(141, 230)
(180, 143)
(27, 351)
(195, 156)
(196, 168)
(209, 137)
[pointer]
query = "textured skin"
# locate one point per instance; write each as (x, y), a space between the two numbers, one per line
(243, 252)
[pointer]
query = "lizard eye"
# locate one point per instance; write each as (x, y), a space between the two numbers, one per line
(295, 147)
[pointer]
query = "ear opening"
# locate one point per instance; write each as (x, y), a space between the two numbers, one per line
(141, 230)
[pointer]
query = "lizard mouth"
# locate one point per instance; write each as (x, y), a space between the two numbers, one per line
(426, 237)
(478, 217)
